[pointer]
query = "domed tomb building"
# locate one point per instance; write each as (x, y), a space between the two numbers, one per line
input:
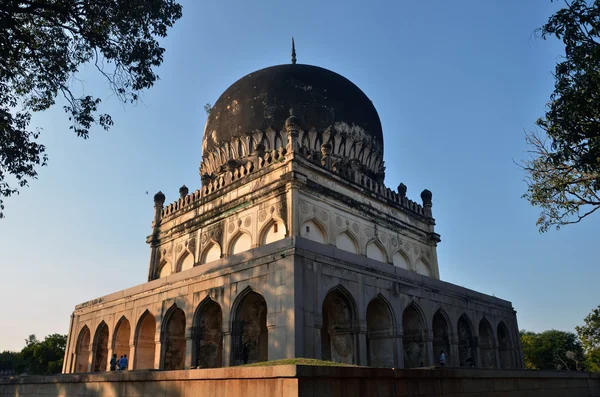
(293, 247)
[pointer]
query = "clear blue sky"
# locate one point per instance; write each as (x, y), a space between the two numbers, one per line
(455, 83)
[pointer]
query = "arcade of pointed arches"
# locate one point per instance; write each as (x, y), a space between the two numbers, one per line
(420, 341)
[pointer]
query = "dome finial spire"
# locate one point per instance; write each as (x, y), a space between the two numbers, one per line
(293, 51)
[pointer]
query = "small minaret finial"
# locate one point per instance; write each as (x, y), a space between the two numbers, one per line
(293, 51)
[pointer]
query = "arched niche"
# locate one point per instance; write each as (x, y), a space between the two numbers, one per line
(100, 358)
(338, 334)
(346, 242)
(505, 350)
(312, 231)
(413, 340)
(274, 231)
(164, 269)
(441, 336)
(423, 268)
(208, 335)
(399, 259)
(174, 339)
(187, 262)
(466, 344)
(121, 337)
(211, 253)
(486, 344)
(240, 243)
(375, 251)
(380, 334)
(250, 334)
(145, 345)
(82, 350)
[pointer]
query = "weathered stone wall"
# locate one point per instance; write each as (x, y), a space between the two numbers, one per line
(309, 381)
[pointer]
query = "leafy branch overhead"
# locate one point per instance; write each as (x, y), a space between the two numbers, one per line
(42, 45)
(563, 172)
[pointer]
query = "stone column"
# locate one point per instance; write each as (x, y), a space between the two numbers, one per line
(131, 356)
(159, 201)
(68, 358)
(362, 348)
(276, 351)
(429, 359)
(399, 351)
(190, 354)
(476, 353)
(454, 354)
(318, 328)
(91, 355)
(227, 341)
(496, 356)
(158, 352)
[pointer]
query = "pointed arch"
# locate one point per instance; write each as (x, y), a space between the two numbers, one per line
(338, 333)
(505, 346)
(313, 230)
(466, 342)
(423, 267)
(272, 231)
(145, 344)
(413, 341)
(376, 250)
(440, 326)
(400, 259)
(100, 348)
(173, 336)
(164, 269)
(82, 350)
(240, 242)
(186, 261)
(380, 333)
(121, 337)
(486, 344)
(346, 241)
(211, 252)
(250, 336)
(207, 334)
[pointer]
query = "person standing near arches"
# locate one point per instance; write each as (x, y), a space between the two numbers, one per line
(442, 359)
(113, 363)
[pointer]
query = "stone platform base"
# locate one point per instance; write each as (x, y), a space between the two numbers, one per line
(308, 381)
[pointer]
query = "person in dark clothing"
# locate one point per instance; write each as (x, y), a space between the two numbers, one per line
(113, 363)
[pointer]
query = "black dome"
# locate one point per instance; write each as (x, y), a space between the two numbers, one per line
(262, 99)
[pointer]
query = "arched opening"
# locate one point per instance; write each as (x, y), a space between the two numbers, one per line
(100, 360)
(374, 251)
(312, 231)
(504, 347)
(274, 232)
(423, 268)
(486, 344)
(186, 262)
(208, 336)
(82, 352)
(441, 339)
(165, 270)
(413, 340)
(174, 340)
(121, 338)
(345, 242)
(380, 334)
(250, 334)
(211, 253)
(145, 345)
(337, 333)
(466, 357)
(400, 260)
(242, 242)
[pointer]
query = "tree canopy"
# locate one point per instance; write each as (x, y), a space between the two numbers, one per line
(563, 171)
(37, 357)
(552, 350)
(43, 43)
(589, 334)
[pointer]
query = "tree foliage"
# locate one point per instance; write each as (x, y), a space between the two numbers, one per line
(563, 172)
(37, 357)
(552, 350)
(43, 43)
(589, 334)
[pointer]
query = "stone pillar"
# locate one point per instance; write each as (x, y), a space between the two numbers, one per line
(276, 351)
(227, 342)
(91, 355)
(476, 353)
(318, 328)
(399, 351)
(158, 353)
(190, 356)
(429, 359)
(496, 356)
(159, 201)
(454, 354)
(131, 356)
(361, 348)
(67, 360)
